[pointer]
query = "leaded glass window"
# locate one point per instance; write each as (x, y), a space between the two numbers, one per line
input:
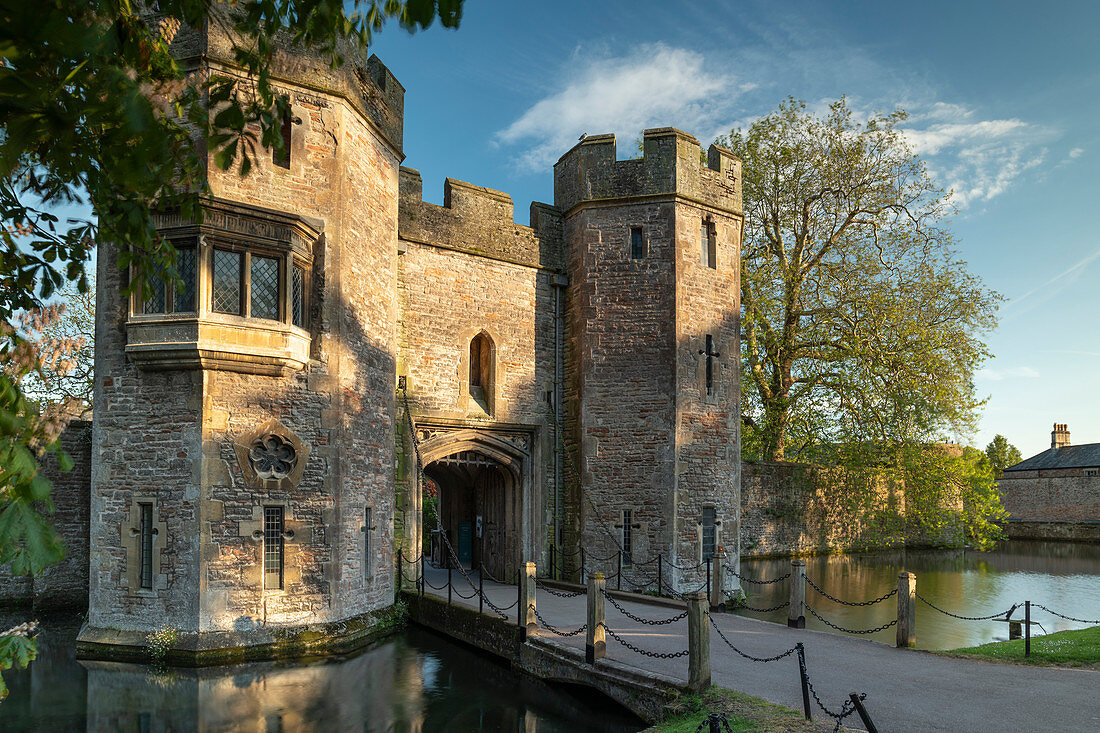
(637, 244)
(264, 301)
(709, 538)
(227, 282)
(146, 534)
(155, 293)
(186, 262)
(298, 297)
(273, 547)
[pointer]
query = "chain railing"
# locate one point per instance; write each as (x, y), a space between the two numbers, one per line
(643, 652)
(834, 599)
(846, 708)
(639, 619)
(829, 623)
(555, 630)
(746, 655)
(1059, 615)
(739, 605)
(926, 602)
(559, 593)
(754, 581)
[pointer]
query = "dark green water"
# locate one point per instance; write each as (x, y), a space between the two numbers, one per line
(417, 681)
(1063, 576)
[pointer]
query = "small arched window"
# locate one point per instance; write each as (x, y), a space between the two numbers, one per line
(481, 369)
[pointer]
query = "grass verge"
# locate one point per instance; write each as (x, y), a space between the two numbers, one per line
(1077, 648)
(745, 714)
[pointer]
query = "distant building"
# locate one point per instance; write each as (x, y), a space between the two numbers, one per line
(1055, 494)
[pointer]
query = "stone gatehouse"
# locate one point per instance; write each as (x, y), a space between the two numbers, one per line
(568, 383)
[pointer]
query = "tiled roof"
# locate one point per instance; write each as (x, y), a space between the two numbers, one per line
(1071, 456)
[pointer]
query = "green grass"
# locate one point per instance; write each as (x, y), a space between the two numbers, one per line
(1078, 648)
(745, 714)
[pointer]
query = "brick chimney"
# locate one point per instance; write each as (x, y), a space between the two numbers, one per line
(1059, 437)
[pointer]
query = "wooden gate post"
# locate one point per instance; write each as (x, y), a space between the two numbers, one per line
(698, 642)
(717, 584)
(595, 644)
(907, 610)
(796, 619)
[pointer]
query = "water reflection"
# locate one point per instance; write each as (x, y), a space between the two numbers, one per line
(1063, 576)
(416, 682)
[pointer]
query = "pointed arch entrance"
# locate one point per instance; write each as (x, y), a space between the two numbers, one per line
(482, 480)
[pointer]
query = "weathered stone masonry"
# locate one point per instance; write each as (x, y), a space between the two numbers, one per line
(572, 382)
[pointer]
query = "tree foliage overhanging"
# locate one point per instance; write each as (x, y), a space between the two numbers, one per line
(859, 321)
(861, 327)
(97, 114)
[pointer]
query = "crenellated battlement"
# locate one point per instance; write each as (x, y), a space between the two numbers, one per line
(367, 84)
(480, 221)
(669, 165)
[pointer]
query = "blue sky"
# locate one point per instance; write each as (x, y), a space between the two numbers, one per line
(1003, 97)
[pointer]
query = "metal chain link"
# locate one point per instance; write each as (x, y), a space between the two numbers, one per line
(845, 711)
(738, 606)
(849, 631)
(750, 657)
(880, 599)
(643, 652)
(554, 629)
(1068, 618)
(639, 619)
(743, 579)
(964, 618)
(560, 593)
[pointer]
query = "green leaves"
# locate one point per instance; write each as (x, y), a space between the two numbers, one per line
(16, 651)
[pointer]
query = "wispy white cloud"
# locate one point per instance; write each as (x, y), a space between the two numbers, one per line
(655, 86)
(978, 159)
(996, 375)
(1076, 153)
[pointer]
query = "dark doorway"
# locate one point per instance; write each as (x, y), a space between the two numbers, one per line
(478, 510)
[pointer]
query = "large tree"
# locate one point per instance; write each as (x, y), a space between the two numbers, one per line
(860, 325)
(1002, 454)
(97, 115)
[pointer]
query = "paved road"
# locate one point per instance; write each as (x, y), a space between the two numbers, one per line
(906, 690)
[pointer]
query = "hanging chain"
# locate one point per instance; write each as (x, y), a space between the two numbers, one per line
(1068, 618)
(554, 629)
(849, 631)
(739, 606)
(643, 652)
(743, 579)
(559, 593)
(750, 657)
(965, 618)
(880, 599)
(846, 708)
(639, 619)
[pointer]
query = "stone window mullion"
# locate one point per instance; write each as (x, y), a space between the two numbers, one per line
(246, 284)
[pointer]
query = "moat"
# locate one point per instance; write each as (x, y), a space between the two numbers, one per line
(1065, 576)
(413, 681)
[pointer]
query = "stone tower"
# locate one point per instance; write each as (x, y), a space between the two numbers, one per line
(653, 249)
(242, 480)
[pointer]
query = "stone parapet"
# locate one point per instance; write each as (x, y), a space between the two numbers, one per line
(477, 220)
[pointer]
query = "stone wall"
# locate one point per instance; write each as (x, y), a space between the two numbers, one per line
(644, 434)
(1051, 495)
(466, 268)
(792, 509)
(64, 585)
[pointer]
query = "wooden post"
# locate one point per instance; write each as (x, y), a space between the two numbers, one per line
(796, 619)
(595, 645)
(698, 642)
(527, 619)
(421, 578)
(717, 586)
(581, 577)
(907, 610)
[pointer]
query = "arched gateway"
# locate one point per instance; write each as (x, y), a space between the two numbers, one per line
(483, 489)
